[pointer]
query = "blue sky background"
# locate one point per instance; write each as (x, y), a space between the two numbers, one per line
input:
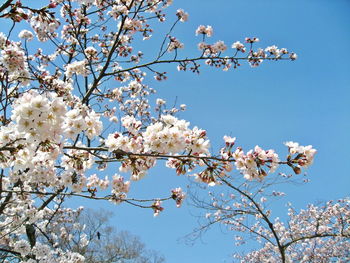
(305, 101)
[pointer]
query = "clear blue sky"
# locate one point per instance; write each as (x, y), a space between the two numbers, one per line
(306, 101)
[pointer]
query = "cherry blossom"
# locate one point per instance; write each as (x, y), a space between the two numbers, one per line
(205, 30)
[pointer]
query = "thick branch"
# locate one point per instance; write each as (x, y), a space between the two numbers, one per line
(5, 5)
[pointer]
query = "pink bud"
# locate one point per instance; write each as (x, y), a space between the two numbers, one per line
(52, 5)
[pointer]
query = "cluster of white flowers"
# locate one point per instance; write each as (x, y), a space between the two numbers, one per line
(119, 187)
(138, 167)
(44, 26)
(82, 119)
(118, 10)
(130, 145)
(239, 46)
(204, 30)
(178, 195)
(38, 164)
(229, 141)
(25, 34)
(39, 117)
(255, 58)
(182, 15)
(91, 53)
(62, 88)
(32, 153)
(94, 181)
(77, 160)
(304, 154)
(131, 124)
(213, 49)
(42, 120)
(93, 124)
(160, 102)
(117, 141)
(255, 164)
(293, 56)
(42, 251)
(13, 61)
(56, 231)
(219, 46)
(157, 207)
(85, 2)
(252, 163)
(273, 50)
(3, 41)
(170, 135)
(133, 25)
(77, 67)
(251, 40)
(75, 123)
(174, 44)
(67, 33)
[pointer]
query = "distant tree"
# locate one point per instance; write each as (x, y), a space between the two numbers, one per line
(318, 233)
(89, 233)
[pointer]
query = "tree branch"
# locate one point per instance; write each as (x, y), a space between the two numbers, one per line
(5, 5)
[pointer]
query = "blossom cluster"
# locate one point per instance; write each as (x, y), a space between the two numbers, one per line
(93, 181)
(239, 46)
(119, 188)
(251, 164)
(82, 119)
(43, 117)
(44, 26)
(214, 49)
(257, 163)
(182, 15)
(205, 30)
(171, 135)
(178, 195)
(118, 10)
(304, 155)
(77, 67)
(13, 61)
(174, 44)
(39, 117)
(25, 34)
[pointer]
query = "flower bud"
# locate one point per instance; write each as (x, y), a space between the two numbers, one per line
(296, 170)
